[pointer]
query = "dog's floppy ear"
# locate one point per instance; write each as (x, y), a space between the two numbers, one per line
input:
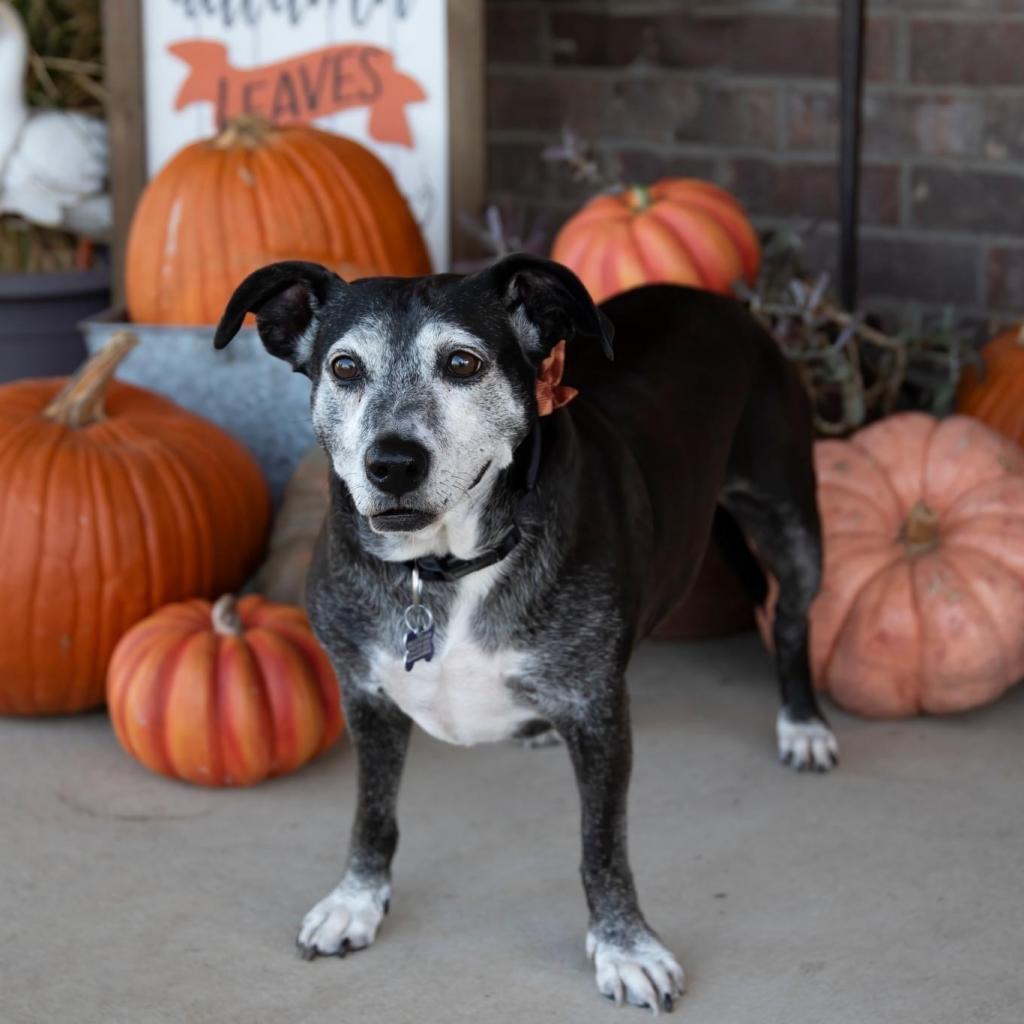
(286, 298)
(551, 300)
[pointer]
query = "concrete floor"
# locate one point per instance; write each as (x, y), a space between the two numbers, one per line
(891, 891)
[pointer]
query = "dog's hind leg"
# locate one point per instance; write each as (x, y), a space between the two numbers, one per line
(771, 493)
(348, 917)
(788, 542)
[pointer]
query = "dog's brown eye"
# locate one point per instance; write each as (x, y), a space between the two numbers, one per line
(344, 368)
(463, 364)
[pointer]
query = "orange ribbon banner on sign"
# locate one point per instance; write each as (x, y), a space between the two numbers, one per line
(303, 88)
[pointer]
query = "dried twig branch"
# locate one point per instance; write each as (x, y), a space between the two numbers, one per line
(584, 164)
(854, 371)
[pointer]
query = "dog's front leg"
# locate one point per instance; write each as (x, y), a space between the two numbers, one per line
(349, 916)
(630, 961)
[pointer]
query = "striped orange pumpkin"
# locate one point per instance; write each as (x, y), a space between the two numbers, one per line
(253, 195)
(113, 501)
(225, 694)
(677, 231)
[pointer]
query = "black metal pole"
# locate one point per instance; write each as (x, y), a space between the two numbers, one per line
(851, 71)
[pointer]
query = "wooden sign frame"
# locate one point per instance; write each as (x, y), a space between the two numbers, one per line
(122, 25)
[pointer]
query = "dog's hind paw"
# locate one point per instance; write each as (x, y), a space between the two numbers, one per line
(806, 746)
(346, 919)
(641, 972)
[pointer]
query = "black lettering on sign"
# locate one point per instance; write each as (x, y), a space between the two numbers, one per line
(250, 101)
(312, 91)
(286, 99)
(223, 94)
(254, 12)
(344, 87)
(374, 85)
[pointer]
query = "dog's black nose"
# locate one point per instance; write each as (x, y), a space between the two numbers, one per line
(396, 465)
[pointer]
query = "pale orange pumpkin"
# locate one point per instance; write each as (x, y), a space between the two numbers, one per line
(679, 231)
(225, 694)
(113, 501)
(922, 604)
(996, 396)
(253, 195)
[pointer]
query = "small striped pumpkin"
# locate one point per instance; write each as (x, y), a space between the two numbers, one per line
(226, 694)
(677, 231)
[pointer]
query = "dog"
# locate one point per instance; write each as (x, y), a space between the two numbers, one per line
(486, 572)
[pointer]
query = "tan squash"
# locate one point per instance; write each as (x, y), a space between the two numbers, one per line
(922, 603)
(282, 577)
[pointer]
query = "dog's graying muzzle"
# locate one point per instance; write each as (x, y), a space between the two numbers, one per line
(396, 465)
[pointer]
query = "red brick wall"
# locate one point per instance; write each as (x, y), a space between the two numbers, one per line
(744, 93)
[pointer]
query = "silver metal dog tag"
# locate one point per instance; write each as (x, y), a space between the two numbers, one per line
(419, 622)
(419, 646)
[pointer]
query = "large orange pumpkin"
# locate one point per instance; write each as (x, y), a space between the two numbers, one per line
(922, 603)
(225, 694)
(996, 396)
(256, 194)
(113, 501)
(680, 231)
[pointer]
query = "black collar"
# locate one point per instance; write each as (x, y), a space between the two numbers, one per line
(448, 568)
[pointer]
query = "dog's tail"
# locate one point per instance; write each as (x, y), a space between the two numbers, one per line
(736, 553)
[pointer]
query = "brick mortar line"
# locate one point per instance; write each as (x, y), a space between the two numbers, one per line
(981, 269)
(546, 49)
(824, 84)
(815, 156)
(720, 11)
(906, 198)
(902, 62)
(980, 166)
(695, 147)
(885, 232)
(974, 165)
(781, 119)
(641, 70)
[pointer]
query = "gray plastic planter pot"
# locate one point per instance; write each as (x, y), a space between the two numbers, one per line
(39, 316)
(254, 397)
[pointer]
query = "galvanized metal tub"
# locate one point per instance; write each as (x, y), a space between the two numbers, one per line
(254, 397)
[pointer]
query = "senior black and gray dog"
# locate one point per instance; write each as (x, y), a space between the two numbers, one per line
(486, 572)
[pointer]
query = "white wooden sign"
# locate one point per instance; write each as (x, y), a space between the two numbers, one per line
(374, 70)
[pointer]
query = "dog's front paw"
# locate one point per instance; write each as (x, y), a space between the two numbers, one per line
(641, 971)
(346, 919)
(809, 745)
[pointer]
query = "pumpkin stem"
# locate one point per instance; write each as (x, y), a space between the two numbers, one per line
(80, 401)
(224, 616)
(639, 198)
(920, 532)
(246, 131)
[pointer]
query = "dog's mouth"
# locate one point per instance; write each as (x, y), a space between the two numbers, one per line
(411, 520)
(400, 520)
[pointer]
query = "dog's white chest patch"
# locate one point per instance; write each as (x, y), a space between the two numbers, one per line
(462, 694)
